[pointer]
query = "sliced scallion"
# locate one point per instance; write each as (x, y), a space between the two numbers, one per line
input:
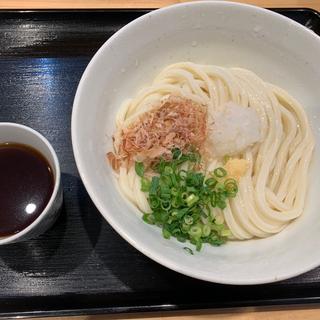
(188, 250)
(139, 168)
(220, 172)
(182, 200)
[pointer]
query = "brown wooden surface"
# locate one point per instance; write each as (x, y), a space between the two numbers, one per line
(19, 4)
(286, 314)
(297, 314)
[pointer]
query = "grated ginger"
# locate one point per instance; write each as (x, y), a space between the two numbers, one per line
(236, 168)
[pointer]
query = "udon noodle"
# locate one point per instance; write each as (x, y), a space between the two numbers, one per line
(273, 190)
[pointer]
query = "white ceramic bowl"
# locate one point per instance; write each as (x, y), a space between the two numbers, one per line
(222, 33)
(13, 132)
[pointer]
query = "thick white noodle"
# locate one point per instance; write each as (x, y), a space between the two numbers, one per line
(273, 191)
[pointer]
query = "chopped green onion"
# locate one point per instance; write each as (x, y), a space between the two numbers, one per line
(148, 218)
(185, 228)
(165, 205)
(170, 220)
(198, 245)
(181, 238)
(217, 242)
(145, 184)
(231, 187)
(226, 233)
(217, 227)
(174, 180)
(191, 189)
(182, 201)
(221, 204)
(182, 212)
(188, 250)
(175, 203)
(165, 181)
(166, 234)
(176, 231)
(182, 174)
(139, 167)
(211, 182)
(220, 187)
(191, 200)
(174, 191)
(231, 194)
(154, 203)
(195, 232)
(168, 170)
(213, 199)
(176, 153)
(188, 220)
(174, 213)
(164, 216)
(184, 195)
(220, 172)
(154, 186)
(231, 182)
(206, 230)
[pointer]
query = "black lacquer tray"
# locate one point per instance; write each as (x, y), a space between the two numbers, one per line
(82, 265)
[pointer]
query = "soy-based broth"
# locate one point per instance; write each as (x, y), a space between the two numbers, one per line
(26, 185)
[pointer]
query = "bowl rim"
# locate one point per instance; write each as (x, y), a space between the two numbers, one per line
(159, 258)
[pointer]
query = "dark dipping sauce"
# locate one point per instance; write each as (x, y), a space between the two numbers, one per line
(26, 185)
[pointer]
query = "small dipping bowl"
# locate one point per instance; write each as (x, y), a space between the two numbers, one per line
(13, 133)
